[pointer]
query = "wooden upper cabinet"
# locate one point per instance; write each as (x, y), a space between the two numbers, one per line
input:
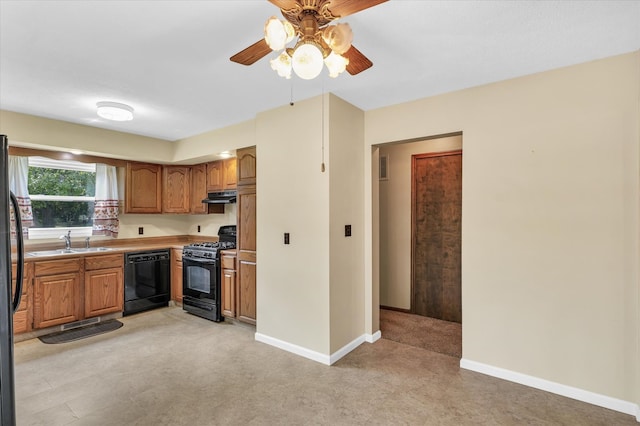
(176, 184)
(246, 226)
(246, 158)
(230, 174)
(143, 188)
(221, 175)
(215, 176)
(198, 188)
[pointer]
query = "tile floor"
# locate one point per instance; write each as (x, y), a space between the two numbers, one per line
(166, 367)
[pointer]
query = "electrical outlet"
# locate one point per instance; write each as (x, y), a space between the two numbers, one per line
(140, 230)
(347, 230)
(198, 228)
(286, 238)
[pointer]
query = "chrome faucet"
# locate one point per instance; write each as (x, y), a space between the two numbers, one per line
(86, 242)
(67, 240)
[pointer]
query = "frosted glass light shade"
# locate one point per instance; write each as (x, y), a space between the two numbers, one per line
(114, 111)
(307, 61)
(338, 37)
(278, 33)
(282, 65)
(336, 64)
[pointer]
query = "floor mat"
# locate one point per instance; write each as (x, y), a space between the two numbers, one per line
(82, 332)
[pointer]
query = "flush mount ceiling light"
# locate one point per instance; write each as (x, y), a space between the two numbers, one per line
(318, 42)
(115, 111)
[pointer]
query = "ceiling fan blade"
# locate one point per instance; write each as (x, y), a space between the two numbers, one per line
(284, 4)
(349, 7)
(251, 54)
(357, 61)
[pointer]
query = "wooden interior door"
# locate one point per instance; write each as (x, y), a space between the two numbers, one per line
(436, 194)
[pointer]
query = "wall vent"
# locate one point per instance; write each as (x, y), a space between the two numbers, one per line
(80, 323)
(383, 169)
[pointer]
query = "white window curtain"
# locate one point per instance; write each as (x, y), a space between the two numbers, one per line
(18, 178)
(105, 218)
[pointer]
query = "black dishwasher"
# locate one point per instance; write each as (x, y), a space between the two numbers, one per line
(147, 280)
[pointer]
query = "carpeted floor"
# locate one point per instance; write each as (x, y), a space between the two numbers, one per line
(422, 332)
(167, 367)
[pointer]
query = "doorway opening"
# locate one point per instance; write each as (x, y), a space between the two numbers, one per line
(419, 200)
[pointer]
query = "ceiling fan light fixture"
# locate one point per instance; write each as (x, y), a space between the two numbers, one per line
(282, 65)
(114, 111)
(338, 37)
(278, 33)
(336, 64)
(307, 61)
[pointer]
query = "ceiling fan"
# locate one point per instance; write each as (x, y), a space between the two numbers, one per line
(318, 41)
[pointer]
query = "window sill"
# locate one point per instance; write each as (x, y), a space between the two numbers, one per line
(53, 233)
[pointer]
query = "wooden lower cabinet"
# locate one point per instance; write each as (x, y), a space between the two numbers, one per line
(247, 288)
(176, 275)
(71, 289)
(228, 285)
(23, 317)
(103, 285)
(56, 291)
(246, 241)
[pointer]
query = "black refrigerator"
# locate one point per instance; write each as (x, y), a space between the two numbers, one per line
(8, 302)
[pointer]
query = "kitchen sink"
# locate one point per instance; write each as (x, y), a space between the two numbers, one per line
(90, 250)
(64, 251)
(50, 252)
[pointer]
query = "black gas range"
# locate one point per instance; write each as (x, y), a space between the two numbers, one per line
(201, 280)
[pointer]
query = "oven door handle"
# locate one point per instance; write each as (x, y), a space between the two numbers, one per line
(204, 261)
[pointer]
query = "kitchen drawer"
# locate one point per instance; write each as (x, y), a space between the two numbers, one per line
(53, 267)
(228, 262)
(103, 262)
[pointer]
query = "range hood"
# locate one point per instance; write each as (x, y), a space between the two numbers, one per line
(222, 197)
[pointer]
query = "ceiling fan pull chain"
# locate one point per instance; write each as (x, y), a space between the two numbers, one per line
(322, 168)
(291, 93)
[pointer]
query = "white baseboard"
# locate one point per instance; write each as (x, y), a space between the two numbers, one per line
(295, 349)
(347, 348)
(317, 356)
(371, 338)
(552, 387)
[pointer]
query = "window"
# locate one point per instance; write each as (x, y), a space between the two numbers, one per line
(62, 196)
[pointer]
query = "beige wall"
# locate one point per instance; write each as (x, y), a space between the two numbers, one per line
(550, 269)
(43, 133)
(293, 197)
(207, 146)
(346, 207)
(395, 217)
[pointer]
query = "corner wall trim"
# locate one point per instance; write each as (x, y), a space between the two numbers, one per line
(308, 353)
(604, 401)
(346, 349)
(295, 349)
(371, 338)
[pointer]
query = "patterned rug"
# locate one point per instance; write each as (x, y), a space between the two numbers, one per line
(428, 333)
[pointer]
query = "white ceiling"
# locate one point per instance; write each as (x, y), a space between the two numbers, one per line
(169, 60)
